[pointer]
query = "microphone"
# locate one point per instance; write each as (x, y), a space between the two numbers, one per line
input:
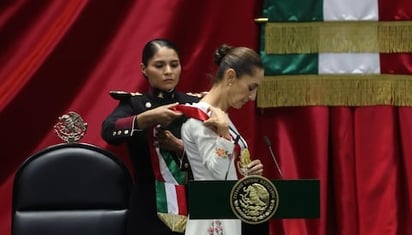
(269, 144)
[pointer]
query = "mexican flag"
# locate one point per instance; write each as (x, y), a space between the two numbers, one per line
(333, 52)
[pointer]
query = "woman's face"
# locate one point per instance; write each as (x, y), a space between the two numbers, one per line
(163, 69)
(244, 89)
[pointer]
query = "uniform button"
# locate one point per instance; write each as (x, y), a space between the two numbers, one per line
(186, 165)
(114, 133)
(148, 105)
(126, 132)
(119, 132)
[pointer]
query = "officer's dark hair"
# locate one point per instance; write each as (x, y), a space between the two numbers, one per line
(153, 46)
(243, 60)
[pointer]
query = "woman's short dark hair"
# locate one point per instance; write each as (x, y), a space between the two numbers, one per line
(153, 46)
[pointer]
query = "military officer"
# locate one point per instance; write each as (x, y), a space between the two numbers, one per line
(132, 122)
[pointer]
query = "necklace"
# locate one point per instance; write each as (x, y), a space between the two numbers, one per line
(237, 137)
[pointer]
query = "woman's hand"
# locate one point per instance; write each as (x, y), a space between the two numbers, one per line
(255, 167)
(162, 115)
(218, 121)
(167, 141)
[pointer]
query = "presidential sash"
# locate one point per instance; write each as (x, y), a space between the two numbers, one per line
(170, 179)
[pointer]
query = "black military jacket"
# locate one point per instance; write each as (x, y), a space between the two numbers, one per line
(120, 126)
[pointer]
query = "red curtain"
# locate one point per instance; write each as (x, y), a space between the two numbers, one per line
(61, 56)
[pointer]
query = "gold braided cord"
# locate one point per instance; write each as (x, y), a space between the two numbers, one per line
(335, 90)
(338, 37)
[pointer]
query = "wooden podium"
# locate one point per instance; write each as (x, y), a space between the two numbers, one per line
(297, 199)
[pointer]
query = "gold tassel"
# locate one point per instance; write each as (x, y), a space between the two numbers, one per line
(176, 223)
(395, 36)
(335, 90)
(338, 37)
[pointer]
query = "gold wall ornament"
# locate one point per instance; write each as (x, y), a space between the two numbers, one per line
(254, 199)
(71, 127)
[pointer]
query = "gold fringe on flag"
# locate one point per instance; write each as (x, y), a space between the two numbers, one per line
(335, 90)
(395, 36)
(338, 37)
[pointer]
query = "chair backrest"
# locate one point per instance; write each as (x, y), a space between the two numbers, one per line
(69, 189)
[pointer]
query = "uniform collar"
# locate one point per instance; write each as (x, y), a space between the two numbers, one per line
(163, 94)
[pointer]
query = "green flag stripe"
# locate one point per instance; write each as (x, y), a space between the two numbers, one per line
(286, 11)
(161, 199)
(293, 10)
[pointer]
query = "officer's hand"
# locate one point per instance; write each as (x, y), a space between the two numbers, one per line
(162, 115)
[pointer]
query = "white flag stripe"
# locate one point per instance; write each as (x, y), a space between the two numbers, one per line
(164, 170)
(172, 207)
(359, 63)
(350, 10)
(349, 63)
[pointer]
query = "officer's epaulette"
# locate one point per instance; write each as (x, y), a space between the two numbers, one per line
(120, 95)
(199, 95)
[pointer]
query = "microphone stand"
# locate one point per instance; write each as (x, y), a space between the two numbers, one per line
(269, 144)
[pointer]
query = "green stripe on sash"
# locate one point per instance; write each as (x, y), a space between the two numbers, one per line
(161, 198)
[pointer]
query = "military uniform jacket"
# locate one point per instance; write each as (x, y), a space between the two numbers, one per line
(120, 127)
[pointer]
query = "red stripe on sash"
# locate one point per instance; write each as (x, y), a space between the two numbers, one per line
(153, 156)
(181, 199)
(191, 111)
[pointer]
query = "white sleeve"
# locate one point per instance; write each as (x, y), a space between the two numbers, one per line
(215, 152)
